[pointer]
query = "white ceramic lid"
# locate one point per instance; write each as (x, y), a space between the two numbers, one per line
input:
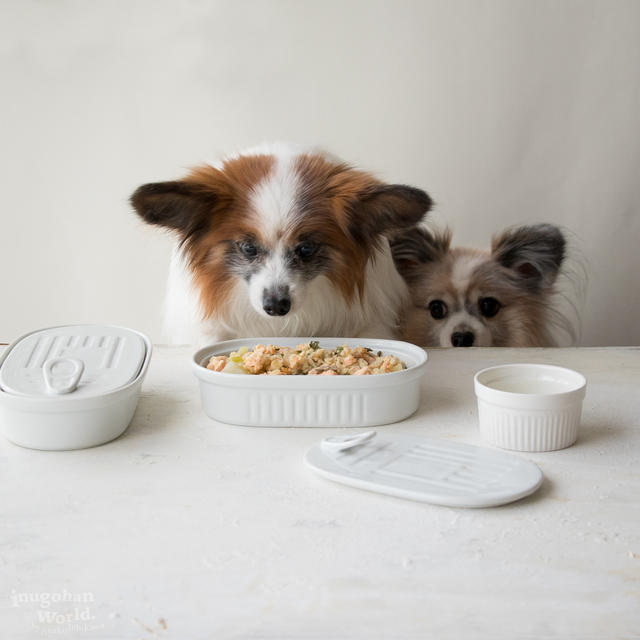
(72, 361)
(441, 472)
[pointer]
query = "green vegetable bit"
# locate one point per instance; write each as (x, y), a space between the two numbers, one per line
(314, 344)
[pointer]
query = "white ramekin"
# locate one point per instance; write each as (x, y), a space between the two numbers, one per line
(530, 407)
(311, 401)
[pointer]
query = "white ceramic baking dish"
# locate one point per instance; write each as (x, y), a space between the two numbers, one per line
(530, 407)
(71, 387)
(311, 401)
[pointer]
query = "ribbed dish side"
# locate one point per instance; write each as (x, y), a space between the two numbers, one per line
(534, 431)
(277, 408)
(307, 408)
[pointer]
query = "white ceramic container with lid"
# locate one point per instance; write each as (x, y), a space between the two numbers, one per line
(71, 387)
(311, 401)
(530, 407)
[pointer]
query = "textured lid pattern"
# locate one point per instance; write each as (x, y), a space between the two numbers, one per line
(73, 361)
(441, 472)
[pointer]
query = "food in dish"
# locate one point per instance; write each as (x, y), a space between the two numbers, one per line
(306, 359)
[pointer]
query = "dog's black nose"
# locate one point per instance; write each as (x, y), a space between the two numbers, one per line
(276, 305)
(462, 339)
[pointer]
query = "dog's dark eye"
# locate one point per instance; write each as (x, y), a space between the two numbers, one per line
(306, 249)
(489, 307)
(248, 248)
(438, 309)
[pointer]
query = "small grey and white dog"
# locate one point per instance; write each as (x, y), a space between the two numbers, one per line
(466, 297)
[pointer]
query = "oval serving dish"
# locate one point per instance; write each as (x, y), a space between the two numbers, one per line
(311, 401)
(71, 387)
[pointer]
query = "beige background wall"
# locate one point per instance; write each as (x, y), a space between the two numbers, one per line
(505, 111)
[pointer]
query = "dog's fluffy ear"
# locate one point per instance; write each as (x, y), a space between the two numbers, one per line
(535, 253)
(415, 247)
(185, 205)
(385, 207)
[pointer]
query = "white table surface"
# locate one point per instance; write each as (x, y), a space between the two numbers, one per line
(185, 528)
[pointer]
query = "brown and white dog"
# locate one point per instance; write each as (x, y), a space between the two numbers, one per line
(281, 241)
(467, 297)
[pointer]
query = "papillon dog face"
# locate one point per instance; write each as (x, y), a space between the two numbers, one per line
(263, 227)
(466, 297)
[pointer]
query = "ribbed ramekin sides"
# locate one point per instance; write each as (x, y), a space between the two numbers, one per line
(529, 430)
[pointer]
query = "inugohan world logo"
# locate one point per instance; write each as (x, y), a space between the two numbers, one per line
(58, 611)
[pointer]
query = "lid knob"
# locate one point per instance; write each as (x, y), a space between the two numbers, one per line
(62, 375)
(342, 443)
